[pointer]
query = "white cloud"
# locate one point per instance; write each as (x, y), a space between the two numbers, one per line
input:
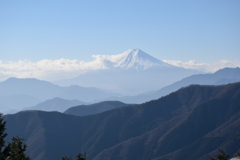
(47, 69)
(52, 70)
(206, 67)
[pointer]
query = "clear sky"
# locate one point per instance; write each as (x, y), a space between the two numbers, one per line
(201, 30)
(180, 32)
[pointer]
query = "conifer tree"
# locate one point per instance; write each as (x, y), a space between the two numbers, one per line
(14, 150)
(80, 156)
(4, 150)
(221, 156)
(17, 149)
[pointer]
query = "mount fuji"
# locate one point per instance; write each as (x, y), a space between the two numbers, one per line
(131, 72)
(131, 59)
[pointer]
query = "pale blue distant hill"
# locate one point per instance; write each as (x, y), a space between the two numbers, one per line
(20, 93)
(14, 103)
(222, 76)
(55, 104)
(44, 90)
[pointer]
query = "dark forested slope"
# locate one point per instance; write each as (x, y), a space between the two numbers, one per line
(190, 123)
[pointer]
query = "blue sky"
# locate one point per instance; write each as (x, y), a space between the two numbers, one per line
(52, 39)
(202, 30)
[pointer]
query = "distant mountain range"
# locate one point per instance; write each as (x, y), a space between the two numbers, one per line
(32, 93)
(191, 123)
(55, 104)
(130, 73)
(17, 93)
(83, 110)
(14, 103)
(222, 76)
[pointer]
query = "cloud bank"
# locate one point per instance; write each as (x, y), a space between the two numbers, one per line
(48, 69)
(53, 70)
(206, 67)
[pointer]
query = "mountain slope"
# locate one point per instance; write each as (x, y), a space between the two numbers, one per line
(55, 104)
(131, 72)
(95, 108)
(219, 132)
(156, 129)
(212, 125)
(222, 76)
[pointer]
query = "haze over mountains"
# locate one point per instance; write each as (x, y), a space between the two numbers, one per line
(223, 76)
(73, 80)
(129, 73)
(156, 129)
(44, 90)
(191, 123)
(30, 92)
(183, 122)
(14, 103)
(83, 110)
(55, 104)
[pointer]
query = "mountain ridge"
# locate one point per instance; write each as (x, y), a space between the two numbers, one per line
(40, 90)
(90, 109)
(220, 77)
(55, 104)
(134, 132)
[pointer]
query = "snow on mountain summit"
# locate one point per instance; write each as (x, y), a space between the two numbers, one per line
(132, 58)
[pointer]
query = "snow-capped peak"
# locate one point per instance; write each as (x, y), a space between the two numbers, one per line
(132, 58)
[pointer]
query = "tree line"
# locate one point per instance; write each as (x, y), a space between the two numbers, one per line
(15, 150)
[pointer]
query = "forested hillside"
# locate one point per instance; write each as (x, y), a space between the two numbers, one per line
(191, 123)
